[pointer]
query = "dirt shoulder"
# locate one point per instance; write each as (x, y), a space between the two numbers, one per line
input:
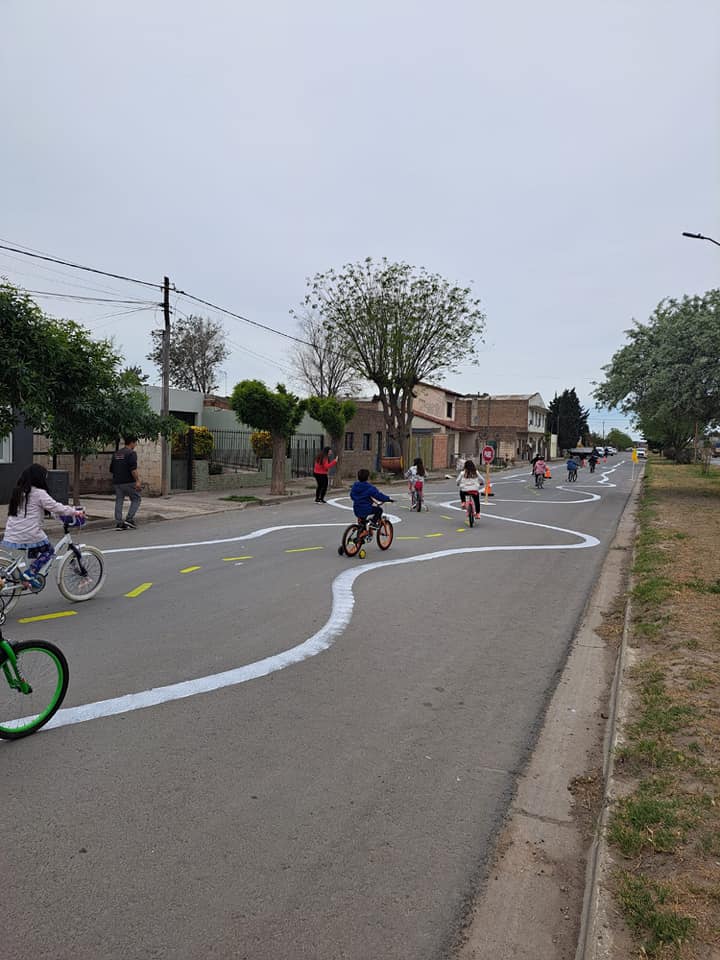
(658, 892)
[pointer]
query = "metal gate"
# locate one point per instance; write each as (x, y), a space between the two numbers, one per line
(303, 448)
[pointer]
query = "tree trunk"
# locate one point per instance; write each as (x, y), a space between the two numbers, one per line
(279, 456)
(76, 479)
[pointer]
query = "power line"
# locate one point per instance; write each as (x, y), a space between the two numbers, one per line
(238, 316)
(78, 266)
(117, 276)
(83, 299)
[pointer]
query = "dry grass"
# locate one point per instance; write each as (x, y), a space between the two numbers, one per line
(667, 828)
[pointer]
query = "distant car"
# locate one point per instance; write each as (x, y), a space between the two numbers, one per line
(642, 454)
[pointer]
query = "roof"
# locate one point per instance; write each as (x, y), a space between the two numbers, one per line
(450, 424)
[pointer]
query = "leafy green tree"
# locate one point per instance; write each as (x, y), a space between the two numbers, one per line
(279, 413)
(397, 325)
(93, 404)
(616, 438)
(28, 368)
(568, 418)
(668, 376)
(334, 415)
(197, 349)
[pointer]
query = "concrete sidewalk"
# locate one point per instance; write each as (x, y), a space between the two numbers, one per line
(101, 507)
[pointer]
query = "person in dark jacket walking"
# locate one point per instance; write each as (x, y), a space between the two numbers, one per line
(322, 465)
(126, 481)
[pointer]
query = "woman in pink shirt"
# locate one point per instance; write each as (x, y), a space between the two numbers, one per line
(320, 472)
(26, 511)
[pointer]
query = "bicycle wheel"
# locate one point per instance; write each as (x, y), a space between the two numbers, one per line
(9, 593)
(45, 671)
(419, 502)
(385, 534)
(471, 514)
(350, 541)
(75, 585)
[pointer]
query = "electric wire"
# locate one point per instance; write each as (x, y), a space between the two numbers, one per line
(78, 266)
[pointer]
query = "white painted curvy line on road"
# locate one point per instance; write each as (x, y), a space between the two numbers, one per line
(207, 543)
(340, 616)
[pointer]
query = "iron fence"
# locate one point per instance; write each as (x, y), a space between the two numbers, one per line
(232, 448)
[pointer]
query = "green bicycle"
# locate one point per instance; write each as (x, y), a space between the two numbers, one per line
(33, 684)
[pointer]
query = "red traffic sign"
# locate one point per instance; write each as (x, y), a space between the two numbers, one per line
(488, 454)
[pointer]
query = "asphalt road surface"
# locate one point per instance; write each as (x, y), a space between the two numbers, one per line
(269, 751)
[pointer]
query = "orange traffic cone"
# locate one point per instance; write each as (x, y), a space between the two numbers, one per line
(489, 489)
(548, 475)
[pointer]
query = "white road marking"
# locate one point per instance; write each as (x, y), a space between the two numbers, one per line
(340, 616)
(207, 543)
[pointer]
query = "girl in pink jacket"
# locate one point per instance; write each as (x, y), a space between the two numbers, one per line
(26, 511)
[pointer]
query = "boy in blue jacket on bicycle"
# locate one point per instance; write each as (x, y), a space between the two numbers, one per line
(362, 494)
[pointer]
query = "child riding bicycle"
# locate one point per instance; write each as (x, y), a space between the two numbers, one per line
(470, 482)
(362, 494)
(415, 477)
(26, 510)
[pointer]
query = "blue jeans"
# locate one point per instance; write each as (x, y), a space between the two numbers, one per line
(123, 490)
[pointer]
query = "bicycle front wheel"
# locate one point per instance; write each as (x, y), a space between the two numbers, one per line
(385, 534)
(76, 583)
(9, 593)
(471, 515)
(351, 540)
(28, 702)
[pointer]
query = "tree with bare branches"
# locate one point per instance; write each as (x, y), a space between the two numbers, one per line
(320, 365)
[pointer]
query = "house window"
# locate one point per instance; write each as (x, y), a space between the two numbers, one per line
(6, 449)
(448, 410)
(349, 440)
(367, 439)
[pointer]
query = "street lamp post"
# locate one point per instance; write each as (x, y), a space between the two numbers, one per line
(700, 236)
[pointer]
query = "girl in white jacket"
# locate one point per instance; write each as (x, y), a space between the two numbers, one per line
(26, 510)
(470, 482)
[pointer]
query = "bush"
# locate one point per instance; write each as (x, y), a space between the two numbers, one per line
(202, 441)
(261, 442)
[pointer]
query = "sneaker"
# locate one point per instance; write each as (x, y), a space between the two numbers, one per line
(121, 526)
(31, 579)
(130, 524)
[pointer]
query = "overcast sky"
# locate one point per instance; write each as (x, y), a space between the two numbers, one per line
(550, 154)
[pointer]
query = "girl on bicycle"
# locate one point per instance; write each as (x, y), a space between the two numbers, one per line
(26, 510)
(415, 477)
(470, 482)
(539, 471)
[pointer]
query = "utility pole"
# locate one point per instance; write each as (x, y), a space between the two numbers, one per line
(165, 406)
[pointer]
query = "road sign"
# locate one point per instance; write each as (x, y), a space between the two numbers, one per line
(488, 454)
(634, 456)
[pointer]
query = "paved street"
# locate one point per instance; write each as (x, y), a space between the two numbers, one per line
(266, 752)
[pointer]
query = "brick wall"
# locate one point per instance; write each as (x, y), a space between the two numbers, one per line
(440, 451)
(95, 474)
(367, 420)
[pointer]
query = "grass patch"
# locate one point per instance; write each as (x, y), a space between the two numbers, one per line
(652, 590)
(237, 499)
(654, 818)
(644, 905)
(702, 586)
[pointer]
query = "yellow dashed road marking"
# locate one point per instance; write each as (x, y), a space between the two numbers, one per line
(190, 569)
(138, 590)
(444, 517)
(228, 559)
(407, 538)
(434, 534)
(303, 549)
(461, 529)
(48, 616)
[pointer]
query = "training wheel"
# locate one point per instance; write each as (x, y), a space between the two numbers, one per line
(341, 550)
(362, 554)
